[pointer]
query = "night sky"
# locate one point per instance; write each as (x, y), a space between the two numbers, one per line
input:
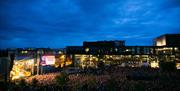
(60, 23)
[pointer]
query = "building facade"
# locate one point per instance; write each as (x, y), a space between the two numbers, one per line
(107, 51)
(167, 40)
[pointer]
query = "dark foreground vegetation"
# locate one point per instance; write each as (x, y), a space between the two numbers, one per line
(112, 78)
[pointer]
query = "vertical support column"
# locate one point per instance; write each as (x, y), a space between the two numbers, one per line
(38, 63)
(173, 51)
(32, 72)
(73, 59)
(65, 59)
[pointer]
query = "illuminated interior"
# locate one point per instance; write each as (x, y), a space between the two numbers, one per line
(62, 60)
(154, 64)
(128, 60)
(178, 65)
(86, 60)
(161, 42)
(48, 60)
(22, 68)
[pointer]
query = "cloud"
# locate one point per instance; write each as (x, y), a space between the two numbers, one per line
(57, 23)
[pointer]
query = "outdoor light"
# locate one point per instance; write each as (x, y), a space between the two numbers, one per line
(60, 52)
(175, 48)
(87, 49)
(154, 64)
(116, 49)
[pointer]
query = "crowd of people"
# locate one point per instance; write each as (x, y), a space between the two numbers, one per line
(113, 78)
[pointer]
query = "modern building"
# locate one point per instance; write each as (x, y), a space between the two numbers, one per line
(116, 43)
(167, 40)
(115, 52)
(31, 61)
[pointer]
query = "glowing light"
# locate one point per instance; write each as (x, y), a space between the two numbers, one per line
(68, 63)
(161, 42)
(127, 50)
(60, 52)
(178, 65)
(154, 64)
(48, 60)
(21, 68)
(83, 58)
(116, 49)
(175, 48)
(63, 56)
(87, 49)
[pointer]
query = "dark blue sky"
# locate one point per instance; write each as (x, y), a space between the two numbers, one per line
(60, 23)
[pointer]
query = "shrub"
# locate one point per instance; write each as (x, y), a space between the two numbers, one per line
(101, 65)
(92, 83)
(2, 86)
(111, 85)
(34, 82)
(168, 66)
(139, 87)
(21, 82)
(62, 80)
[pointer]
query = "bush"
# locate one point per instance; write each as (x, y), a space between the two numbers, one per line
(22, 82)
(139, 87)
(92, 83)
(112, 85)
(101, 65)
(168, 66)
(62, 80)
(2, 86)
(34, 82)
